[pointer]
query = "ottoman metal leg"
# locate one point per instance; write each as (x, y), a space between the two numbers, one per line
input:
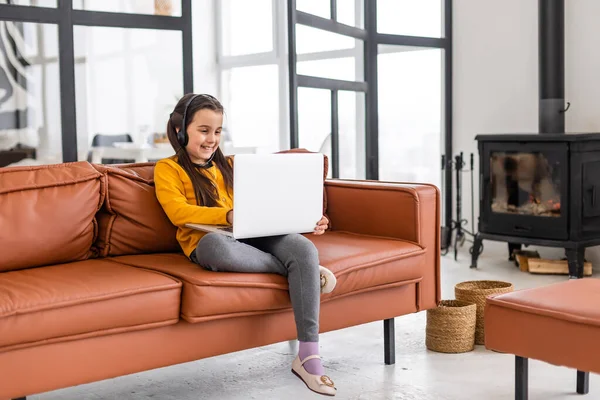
(521, 378)
(583, 382)
(389, 341)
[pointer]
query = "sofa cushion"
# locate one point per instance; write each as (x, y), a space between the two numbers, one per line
(132, 220)
(47, 214)
(359, 262)
(83, 299)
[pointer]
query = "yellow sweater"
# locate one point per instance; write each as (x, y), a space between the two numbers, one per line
(175, 193)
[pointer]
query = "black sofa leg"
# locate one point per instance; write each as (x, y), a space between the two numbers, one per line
(583, 382)
(389, 341)
(21, 398)
(521, 378)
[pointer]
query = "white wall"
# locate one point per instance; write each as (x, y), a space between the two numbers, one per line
(496, 75)
(582, 65)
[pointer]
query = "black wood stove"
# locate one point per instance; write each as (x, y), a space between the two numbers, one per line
(540, 190)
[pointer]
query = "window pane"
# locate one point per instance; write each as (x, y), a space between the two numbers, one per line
(312, 40)
(119, 96)
(30, 126)
(251, 101)
(156, 7)
(334, 68)
(351, 118)
(410, 17)
(320, 8)
(50, 40)
(410, 114)
(247, 27)
(346, 12)
(35, 3)
(314, 121)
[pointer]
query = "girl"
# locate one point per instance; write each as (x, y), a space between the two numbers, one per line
(195, 186)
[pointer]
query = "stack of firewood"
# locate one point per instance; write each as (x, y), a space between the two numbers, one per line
(530, 261)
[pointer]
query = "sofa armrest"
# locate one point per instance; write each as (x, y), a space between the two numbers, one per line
(406, 211)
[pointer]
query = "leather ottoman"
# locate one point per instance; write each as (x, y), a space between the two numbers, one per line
(558, 324)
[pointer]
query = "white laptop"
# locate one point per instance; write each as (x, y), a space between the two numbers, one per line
(274, 194)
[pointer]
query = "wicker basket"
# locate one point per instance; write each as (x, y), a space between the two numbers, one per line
(476, 292)
(451, 327)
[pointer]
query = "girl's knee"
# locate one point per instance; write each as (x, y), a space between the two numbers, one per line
(303, 247)
(211, 245)
(212, 240)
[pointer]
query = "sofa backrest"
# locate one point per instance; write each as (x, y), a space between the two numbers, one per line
(47, 214)
(132, 220)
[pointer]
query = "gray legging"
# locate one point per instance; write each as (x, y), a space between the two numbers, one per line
(293, 256)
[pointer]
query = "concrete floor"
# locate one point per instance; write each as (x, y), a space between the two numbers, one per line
(353, 357)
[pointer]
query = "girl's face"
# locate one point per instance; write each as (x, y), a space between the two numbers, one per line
(204, 135)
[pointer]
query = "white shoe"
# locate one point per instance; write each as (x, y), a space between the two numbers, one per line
(320, 384)
(328, 280)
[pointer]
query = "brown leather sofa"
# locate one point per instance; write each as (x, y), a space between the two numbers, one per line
(93, 284)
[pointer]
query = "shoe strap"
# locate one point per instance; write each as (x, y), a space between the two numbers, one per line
(310, 358)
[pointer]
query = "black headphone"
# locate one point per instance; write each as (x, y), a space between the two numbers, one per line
(182, 136)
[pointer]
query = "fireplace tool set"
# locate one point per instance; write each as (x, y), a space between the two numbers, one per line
(458, 225)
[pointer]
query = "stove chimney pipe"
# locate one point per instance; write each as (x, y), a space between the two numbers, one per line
(551, 66)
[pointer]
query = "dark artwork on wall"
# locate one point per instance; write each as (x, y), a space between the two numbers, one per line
(13, 92)
(11, 77)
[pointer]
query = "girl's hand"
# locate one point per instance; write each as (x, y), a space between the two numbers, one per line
(321, 226)
(229, 217)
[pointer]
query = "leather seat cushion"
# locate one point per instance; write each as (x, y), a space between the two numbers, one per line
(82, 299)
(359, 263)
(558, 323)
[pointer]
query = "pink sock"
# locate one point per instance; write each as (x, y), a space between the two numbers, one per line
(312, 366)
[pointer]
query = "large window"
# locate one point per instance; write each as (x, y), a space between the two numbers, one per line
(405, 143)
(90, 79)
(384, 79)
